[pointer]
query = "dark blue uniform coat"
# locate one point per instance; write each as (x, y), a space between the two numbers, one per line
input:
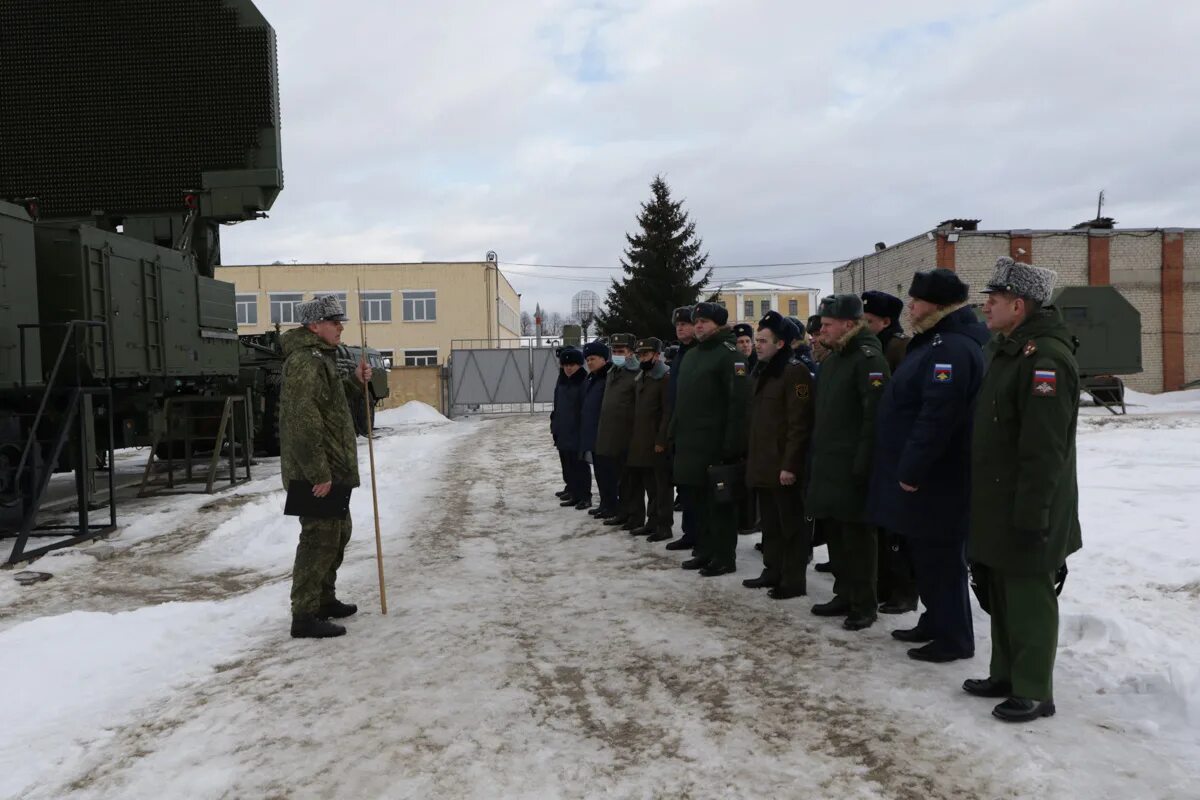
(923, 432)
(593, 399)
(567, 417)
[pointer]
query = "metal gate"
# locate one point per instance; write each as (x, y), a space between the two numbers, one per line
(500, 376)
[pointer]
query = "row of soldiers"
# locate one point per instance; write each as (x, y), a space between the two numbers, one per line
(951, 446)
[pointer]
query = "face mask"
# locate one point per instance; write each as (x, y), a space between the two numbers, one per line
(646, 366)
(618, 361)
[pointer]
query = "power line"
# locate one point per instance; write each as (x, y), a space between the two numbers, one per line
(717, 266)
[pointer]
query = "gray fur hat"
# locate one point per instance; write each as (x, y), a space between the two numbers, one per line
(325, 307)
(841, 306)
(1022, 280)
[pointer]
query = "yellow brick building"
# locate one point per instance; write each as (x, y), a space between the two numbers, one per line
(749, 300)
(412, 311)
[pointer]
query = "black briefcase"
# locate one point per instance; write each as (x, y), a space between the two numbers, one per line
(301, 502)
(727, 482)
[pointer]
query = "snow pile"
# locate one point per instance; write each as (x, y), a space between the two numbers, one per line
(414, 412)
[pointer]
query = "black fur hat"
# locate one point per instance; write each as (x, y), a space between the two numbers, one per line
(743, 329)
(570, 355)
(941, 287)
(710, 311)
(814, 325)
(682, 314)
(779, 325)
(841, 306)
(882, 304)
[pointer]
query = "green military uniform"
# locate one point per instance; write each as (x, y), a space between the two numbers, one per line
(707, 428)
(1024, 498)
(616, 423)
(650, 470)
(317, 445)
(848, 390)
(781, 421)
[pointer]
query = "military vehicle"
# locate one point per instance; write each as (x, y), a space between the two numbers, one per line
(132, 131)
(1108, 334)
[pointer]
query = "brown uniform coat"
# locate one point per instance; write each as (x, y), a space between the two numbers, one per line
(781, 420)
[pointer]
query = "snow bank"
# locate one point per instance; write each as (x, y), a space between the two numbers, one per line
(81, 674)
(411, 413)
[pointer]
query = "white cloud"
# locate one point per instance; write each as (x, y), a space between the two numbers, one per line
(795, 131)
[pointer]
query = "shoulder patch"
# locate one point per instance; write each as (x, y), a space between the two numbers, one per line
(1045, 383)
(802, 391)
(1030, 348)
(875, 379)
(739, 368)
(867, 350)
(943, 373)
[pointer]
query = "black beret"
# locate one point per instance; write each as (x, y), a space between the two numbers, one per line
(777, 324)
(570, 355)
(682, 314)
(882, 304)
(711, 311)
(743, 329)
(941, 287)
(841, 306)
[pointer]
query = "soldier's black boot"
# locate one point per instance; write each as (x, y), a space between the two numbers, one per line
(582, 504)
(661, 536)
(1019, 709)
(563, 495)
(568, 501)
(681, 544)
(308, 626)
(900, 606)
(987, 687)
(763, 581)
(824, 566)
(713, 569)
(780, 593)
(337, 610)
(858, 622)
(837, 607)
(916, 635)
(616, 520)
(695, 563)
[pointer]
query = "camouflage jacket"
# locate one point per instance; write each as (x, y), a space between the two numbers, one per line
(316, 433)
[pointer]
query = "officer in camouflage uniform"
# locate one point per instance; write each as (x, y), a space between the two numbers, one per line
(1024, 495)
(318, 446)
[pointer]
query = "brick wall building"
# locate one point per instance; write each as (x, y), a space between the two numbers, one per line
(1157, 270)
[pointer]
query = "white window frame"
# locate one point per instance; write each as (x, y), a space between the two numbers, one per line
(748, 309)
(371, 305)
(249, 302)
(421, 357)
(277, 297)
(422, 302)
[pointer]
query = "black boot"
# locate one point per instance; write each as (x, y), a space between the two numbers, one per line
(780, 593)
(582, 504)
(1018, 709)
(937, 653)
(308, 626)
(824, 566)
(632, 526)
(986, 687)
(695, 563)
(661, 536)
(597, 510)
(915, 635)
(336, 609)
(898, 606)
(680, 544)
(858, 622)
(563, 495)
(758, 546)
(641, 530)
(616, 520)
(761, 582)
(713, 569)
(837, 607)
(568, 501)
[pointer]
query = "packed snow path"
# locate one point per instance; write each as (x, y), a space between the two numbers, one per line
(532, 652)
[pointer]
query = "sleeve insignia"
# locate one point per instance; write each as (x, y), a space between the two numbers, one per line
(943, 373)
(875, 379)
(937, 340)
(1030, 348)
(731, 347)
(802, 391)
(1045, 382)
(739, 368)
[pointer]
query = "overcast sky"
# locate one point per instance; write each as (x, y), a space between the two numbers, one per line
(794, 131)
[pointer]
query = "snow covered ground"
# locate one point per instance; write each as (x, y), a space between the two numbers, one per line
(531, 652)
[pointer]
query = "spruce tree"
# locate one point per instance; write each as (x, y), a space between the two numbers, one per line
(663, 269)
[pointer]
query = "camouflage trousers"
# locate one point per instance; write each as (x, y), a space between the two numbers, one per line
(318, 556)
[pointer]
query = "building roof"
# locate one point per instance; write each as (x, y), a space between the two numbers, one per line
(752, 285)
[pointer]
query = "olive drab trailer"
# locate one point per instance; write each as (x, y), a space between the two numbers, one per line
(1107, 330)
(132, 131)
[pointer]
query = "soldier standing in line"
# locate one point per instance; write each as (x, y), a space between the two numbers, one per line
(781, 417)
(595, 356)
(1024, 494)
(921, 483)
(685, 333)
(565, 424)
(708, 428)
(649, 462)
(616, 423)
(748, 514)
(896, 585)
(318, 446)
(801, 347)
(850, 384)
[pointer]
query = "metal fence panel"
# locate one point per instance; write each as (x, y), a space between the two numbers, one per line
(500, 377)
